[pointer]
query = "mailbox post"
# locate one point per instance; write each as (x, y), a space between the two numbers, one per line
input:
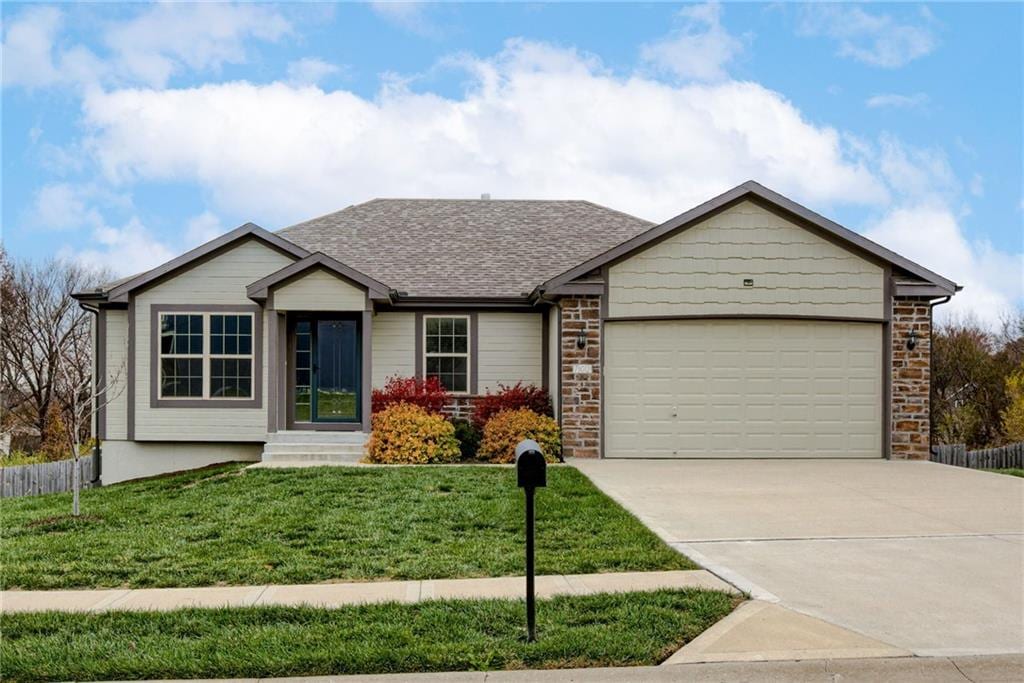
(531, 472)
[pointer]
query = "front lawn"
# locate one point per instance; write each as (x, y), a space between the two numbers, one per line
(224, 525)
(628, 629)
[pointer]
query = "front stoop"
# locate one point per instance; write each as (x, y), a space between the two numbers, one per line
(312, 447)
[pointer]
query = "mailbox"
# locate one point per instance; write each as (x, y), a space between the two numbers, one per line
(531, 468)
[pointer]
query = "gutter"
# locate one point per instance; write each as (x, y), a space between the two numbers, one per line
(97, 450)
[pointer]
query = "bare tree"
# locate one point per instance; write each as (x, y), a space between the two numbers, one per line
(84, 400)
(42, 331)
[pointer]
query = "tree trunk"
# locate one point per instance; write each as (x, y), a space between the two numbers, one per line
(76, 484)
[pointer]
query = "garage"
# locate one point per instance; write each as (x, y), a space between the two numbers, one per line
(743, 388)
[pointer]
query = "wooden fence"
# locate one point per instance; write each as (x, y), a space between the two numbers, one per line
(1011, 455)
(44, 477)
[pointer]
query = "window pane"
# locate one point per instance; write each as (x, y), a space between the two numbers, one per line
(432, 345)
(216, 344)
(245, 344)
(166, 323)
(216, 324)
(181, 377)
(181, 324)
(461, 345)
(230, 378)
(432, 325)
(231, 324)
(166, 342)
(195, 324)
(447, 326)
(231, 345)
(245, 324)
(196, 344)
(460, 326)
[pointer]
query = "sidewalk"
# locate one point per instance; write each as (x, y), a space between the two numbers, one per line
(340, 594)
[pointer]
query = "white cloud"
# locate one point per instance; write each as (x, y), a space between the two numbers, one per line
(874, 39)
(129, 249)
(410, 16)
(169, 37)
(61, 206)
(699, 49)
(898, 101)
(158, 42)
(536, 121)
(310, 71)
(202, 228)
(27, 42)
(929, 234)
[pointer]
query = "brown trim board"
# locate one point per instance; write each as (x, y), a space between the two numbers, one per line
(887, 366)
(154, 356)
(130, 408)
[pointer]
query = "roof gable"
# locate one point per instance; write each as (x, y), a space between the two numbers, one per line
(120, 289)
(772, 201)
(319, 261)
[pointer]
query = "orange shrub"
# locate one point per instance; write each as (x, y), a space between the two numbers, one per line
(407, 434)
(506, 429)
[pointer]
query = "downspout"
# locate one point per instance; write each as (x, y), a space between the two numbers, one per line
(931, 337)
(97, 450)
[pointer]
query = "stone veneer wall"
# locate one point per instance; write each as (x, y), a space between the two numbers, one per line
(911, 379)
(581, 392)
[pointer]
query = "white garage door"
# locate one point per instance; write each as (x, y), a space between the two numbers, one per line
(743, 389)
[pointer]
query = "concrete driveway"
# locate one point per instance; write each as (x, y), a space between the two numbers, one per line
(925, 557)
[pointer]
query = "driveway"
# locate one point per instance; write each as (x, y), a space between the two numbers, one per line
(925, 557)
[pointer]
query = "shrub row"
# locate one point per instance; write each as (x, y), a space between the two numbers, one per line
(409, 426)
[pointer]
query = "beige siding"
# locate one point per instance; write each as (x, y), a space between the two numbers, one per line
(394, 346)
(319, 290)
(117, 374)
(554, 350)
(509, 347)
(743, 388)
(221, 280)
(700, 271)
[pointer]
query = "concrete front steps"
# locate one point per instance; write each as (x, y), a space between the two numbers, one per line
(300, 446)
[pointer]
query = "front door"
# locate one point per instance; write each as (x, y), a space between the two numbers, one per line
(327, 370)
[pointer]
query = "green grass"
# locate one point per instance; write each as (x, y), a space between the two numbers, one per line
(628, 629)
(1012, 471)
(227, 526)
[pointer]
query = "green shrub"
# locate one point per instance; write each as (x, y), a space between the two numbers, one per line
(506, 429)
(407, 434)
(469, 438)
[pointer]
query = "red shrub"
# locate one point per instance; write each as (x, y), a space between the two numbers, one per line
(511, 398)
(428, 393)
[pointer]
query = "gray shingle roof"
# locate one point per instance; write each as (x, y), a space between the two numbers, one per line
(465, 247)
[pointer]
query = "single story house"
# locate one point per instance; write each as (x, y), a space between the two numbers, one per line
(746, 327)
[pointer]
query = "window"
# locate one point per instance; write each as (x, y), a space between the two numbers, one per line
(181, 356)
(206, 355)
(446, 351)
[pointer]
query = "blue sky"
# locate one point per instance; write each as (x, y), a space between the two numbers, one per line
(133, 132)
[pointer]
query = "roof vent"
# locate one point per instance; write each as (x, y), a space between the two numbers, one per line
(485, 195)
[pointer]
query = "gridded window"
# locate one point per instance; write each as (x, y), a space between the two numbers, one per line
(230, 356)
(303, 371)
(181, 355)
(205, 355)
(446, 351)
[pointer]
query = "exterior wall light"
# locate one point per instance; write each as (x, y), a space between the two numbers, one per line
(912, 340)
(581, 340)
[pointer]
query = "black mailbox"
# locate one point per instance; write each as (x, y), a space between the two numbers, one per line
(531, 468)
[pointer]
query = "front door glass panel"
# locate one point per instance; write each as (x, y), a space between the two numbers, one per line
(336, 369)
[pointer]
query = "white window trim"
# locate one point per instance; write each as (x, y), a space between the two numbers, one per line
(467, 355)
(206, 356)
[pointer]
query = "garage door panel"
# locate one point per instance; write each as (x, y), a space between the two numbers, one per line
(743, 388)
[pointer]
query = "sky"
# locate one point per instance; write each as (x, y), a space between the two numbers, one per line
(133, 132)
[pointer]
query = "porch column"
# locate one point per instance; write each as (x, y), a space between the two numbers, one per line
(367, 369)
